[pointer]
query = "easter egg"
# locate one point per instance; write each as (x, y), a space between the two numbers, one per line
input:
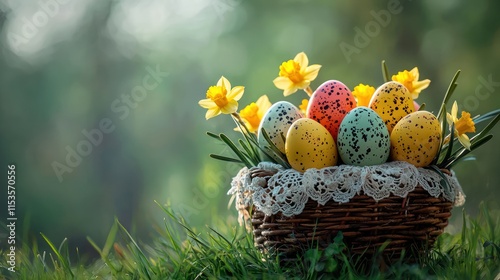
(276, 121)
(309, 145)
(392, 101)
(416, 138)
(329, 104)
(363, 138)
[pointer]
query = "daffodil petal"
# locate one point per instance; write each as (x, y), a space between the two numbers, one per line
(282, 82)
(290, 91)
(303, 85)
(464, 140)
(212, 113)
(454, 110)
(236, 93)
(415, 73)
(302, 60)
(263, 101)
(207, 103)
(311, 72)
(421, 85)
(231, 107)
(224, 82)
(450, 119)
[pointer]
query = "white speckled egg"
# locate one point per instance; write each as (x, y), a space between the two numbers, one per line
(310, 145)
(363, 138)
(416, 138)
(392, 101)
(276, 121)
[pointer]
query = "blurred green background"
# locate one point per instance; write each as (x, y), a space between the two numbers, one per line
(139, 67)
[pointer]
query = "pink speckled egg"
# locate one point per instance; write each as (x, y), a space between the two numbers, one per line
(329, 104)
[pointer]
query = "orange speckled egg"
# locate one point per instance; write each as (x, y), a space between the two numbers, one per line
(329, 104)
(392, 101)
(309, 145)
(416, 138)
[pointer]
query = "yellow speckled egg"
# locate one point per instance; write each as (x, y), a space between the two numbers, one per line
(309, 145)
(392, 101)
(415, 139)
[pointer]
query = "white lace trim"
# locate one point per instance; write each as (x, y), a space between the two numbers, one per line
(288, 190)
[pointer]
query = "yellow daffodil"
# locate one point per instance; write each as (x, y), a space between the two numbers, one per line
(463, 125)
(221, 98)
(363, 94)
(410, 80)
(303, 106)
(253, 113)
(296, 74)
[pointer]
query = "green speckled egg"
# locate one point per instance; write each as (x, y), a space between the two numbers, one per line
(363, 138)
(309, 145)
(415, 139)
(392, 101)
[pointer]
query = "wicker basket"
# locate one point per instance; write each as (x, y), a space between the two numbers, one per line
(401, 224)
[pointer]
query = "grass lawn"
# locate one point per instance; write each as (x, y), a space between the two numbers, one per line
(180, 252)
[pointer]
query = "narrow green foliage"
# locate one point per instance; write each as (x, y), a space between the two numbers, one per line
(422, 107)
(64, 261)
(448, 94)
(385, 72)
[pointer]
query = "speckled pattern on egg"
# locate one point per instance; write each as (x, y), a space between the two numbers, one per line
(329, 104)
(310, 145)
(416, 138)
(276, 121)
(363, 138)
(392, 101)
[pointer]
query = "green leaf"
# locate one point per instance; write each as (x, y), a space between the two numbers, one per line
(464, 151)
(280, 156)
(442, 120)
(449, 92)
(385, 72)
(450, 144)
(249, 151)
(487, 116)
(223, 158)
(233, 147)
(486, 129)
(422, 107)
(331, 265)
(213, 135)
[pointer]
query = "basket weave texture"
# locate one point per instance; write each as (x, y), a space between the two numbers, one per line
(394, 206)
(407, 223)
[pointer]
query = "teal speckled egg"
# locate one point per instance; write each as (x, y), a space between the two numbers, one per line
(363, 138)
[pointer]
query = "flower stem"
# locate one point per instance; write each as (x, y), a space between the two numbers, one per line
(309, 91)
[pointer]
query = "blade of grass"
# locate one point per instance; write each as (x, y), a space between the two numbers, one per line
(422, 107)
(63, 261)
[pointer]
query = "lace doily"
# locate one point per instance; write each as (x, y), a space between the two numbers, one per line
(288, 190)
